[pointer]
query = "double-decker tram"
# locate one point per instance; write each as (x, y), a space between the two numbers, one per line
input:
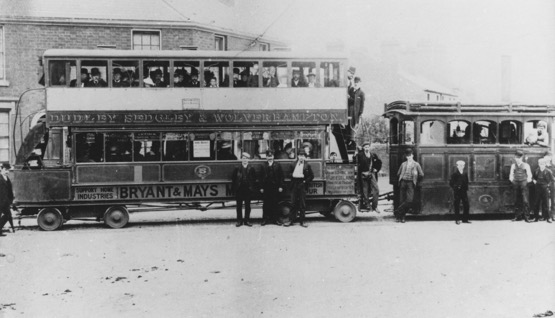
(485, 137)
(125, 128)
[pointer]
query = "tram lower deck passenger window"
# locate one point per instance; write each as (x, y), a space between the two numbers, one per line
(459, 132)
(283, 144)
(89, 147)
(175, 146)
(201, 145)
(510, 132)
(118, 147)
(432, 132)
(146, 146)
(484, 132)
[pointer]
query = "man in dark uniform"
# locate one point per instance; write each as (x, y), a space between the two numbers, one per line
(459, 184)
(548, 157)
(6, 197)
(84, 78)
(368, 166)
(272, 185)
(356, 103)
(244, 178)
(301, 176)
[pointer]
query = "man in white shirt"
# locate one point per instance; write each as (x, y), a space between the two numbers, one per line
(301, 176)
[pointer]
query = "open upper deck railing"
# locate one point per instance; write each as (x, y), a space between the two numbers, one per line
(463, 108)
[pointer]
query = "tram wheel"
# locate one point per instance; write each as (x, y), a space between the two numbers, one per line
(345, 211)
(116, 217)
(50, 219)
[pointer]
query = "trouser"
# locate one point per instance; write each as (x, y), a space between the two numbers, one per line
(520, 191)
(270, 202)
(243, 195)
(542, 201)
(5, 216)
(298, 199)
(461, 195)
(552, 199)
(406, 191)
(370, 186)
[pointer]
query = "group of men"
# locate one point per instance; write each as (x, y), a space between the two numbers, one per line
(244, 185)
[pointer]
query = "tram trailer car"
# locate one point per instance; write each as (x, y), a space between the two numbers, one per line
(485, 137)
(99, 150)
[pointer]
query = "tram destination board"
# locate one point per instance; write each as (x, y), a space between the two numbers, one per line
(340, 179)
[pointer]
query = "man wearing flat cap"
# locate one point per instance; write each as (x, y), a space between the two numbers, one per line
(243, 178)
(301, 176)
(368, 166)
(84, 78)
(96, 80)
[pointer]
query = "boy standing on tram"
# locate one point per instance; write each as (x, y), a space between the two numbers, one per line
(520, 176)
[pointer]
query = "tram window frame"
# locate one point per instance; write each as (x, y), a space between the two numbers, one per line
(491, 131)
(179, 141)
(206, 136)
(129, 68)
(407, 135)
(281, 73)
(231, 140)
(459, 135)
(103, 67)
(435, 136)
(325, 72)
(125, 153)
(530, 130)
(61, 70)
(222, 80)
(245, 68)
(94, 152)
(155, 66)
(515, 137)
(150, 146)
(192, 67)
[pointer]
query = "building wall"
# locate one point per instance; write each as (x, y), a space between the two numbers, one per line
(26, 42)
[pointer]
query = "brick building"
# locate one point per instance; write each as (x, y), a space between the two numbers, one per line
(28, 28)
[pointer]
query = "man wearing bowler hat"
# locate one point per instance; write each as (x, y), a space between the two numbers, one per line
(244, 178)
(96, 80)
(301, 176)
(368, 166)
(6, 197)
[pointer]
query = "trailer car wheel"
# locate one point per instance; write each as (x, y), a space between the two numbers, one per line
(50, 219)
(345, 211)
(116, 217)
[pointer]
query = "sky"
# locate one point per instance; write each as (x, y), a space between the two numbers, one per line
(472, 36)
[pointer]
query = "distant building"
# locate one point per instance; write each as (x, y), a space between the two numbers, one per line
(28, 28)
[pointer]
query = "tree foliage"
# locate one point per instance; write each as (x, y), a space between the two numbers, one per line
(372, 128)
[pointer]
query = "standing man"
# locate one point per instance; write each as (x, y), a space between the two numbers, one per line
(272, 186)
(409, 175)
(350, 83)
(368, 166)
(243, 180)
(358, 98)
(301, 176)
(459, 184)
(6, 197)
(542, 179)
(520, 176)
(548, 157)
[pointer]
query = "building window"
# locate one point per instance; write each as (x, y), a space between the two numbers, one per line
(219, 43)
(146, 40)
(2, 55)
(263, 47)
(4, 136)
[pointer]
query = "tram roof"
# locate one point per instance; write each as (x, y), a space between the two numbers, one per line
(424, 108)
(98, 53)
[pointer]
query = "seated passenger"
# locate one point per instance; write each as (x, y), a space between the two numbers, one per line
(236, 77)
(154, 153)
(253, 78)
(96, 81)
(84, 78)
(297, 81)
(177, 79)
(307, 149)
(158, 79)
(287, 152)
(117, 80)
(312, 80)
(273, 82)
(213, 83)
(540, 137)
(244, 79)
(194, 80)
(225, 152)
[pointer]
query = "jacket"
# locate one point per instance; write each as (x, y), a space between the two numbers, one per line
(307, 172)
(365, 164)
(6, 193)
(415, 176)
(272, 176)
(237, 178)
(459, 181)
